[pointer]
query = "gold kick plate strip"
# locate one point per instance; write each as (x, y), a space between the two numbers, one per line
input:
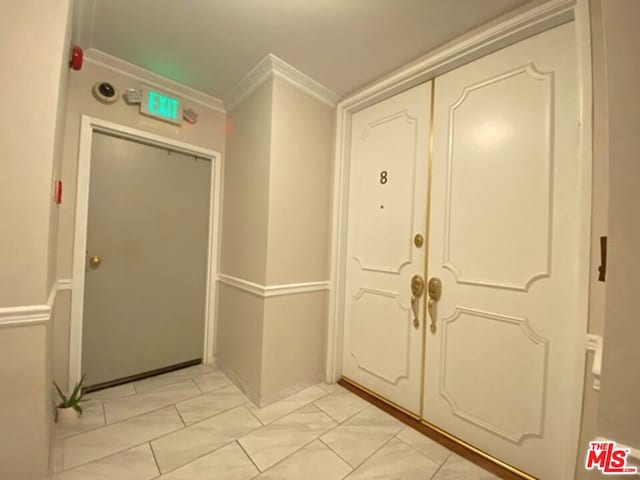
(477, 451)
(380, 397)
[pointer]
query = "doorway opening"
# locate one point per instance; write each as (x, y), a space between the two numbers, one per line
(145, 255)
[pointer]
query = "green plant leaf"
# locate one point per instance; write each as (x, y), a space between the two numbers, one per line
(77, 408)
(62, 396)
(74, 396)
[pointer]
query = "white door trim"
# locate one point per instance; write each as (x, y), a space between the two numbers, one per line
(89, 125)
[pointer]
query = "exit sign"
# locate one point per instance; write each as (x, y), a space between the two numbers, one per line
(161, 105)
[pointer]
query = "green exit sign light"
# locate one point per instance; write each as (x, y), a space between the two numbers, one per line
(160, 105)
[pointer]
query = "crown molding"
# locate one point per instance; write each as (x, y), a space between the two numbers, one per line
(274, 67)
(98, 57)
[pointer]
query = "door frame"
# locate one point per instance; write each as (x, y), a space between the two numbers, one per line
(520, 24)
(89, 126)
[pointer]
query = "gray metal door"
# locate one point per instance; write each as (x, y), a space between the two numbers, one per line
(148, 227)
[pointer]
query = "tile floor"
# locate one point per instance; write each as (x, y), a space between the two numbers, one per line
(194, 424)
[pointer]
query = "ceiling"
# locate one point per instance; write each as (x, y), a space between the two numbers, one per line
(210, 45)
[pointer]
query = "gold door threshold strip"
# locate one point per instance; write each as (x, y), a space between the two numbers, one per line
(462, 448)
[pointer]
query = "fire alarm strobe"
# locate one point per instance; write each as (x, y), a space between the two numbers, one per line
(76, 58)
(105, 92)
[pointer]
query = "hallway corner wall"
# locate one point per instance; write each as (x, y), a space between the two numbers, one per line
(272, 302)
(244, 239)
(34, 76)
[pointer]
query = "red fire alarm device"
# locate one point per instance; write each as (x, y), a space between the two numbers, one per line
(76, 58)
(58, 192)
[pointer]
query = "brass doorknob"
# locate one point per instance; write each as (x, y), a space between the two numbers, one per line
(95, 261)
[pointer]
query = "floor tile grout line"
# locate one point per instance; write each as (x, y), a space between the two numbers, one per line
(298, 408)
(149, 411)
(254, 415)
(421, 453)
(199, 457)
(210, 416)
(129, 447)
(336, 453)
(432, 477)
(149, 441)
(249, 457)
(155, 459)
(193, 424)
(175, 407)
(113, 454)
(302, 447)
(335, 419)
(75, 434)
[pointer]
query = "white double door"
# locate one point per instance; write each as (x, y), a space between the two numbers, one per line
(502, 359)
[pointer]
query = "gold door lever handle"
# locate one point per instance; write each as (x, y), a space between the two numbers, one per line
(435, 292)
(417, 287)
(95, 261)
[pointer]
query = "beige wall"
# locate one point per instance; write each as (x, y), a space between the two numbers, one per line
(299, 229)
(33, 74)
(208, 132)
(33, 46)
(276, 231)
(294, 338)
(246, 187)
(619, 412)
(300, 187)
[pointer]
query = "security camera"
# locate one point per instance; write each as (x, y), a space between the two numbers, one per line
(105, 92)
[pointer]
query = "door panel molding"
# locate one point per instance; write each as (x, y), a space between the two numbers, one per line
(533, 235)
(536, 363)
(364, 358)
(90, 125)
(398, 237)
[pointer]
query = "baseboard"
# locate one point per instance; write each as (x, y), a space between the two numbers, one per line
(248, 391)
(291, 390)
(260, 400)
(474, 455)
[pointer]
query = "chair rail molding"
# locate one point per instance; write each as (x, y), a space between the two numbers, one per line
(268, 291)
(29, 315)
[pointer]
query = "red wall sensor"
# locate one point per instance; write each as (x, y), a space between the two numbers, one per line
(58, 192)
(76, 58)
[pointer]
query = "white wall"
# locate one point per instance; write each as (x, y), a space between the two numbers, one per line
(619, 408)
(33, 73)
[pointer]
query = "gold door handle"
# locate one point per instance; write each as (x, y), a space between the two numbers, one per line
(95, 261)
(417, 287)
(435, 292)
